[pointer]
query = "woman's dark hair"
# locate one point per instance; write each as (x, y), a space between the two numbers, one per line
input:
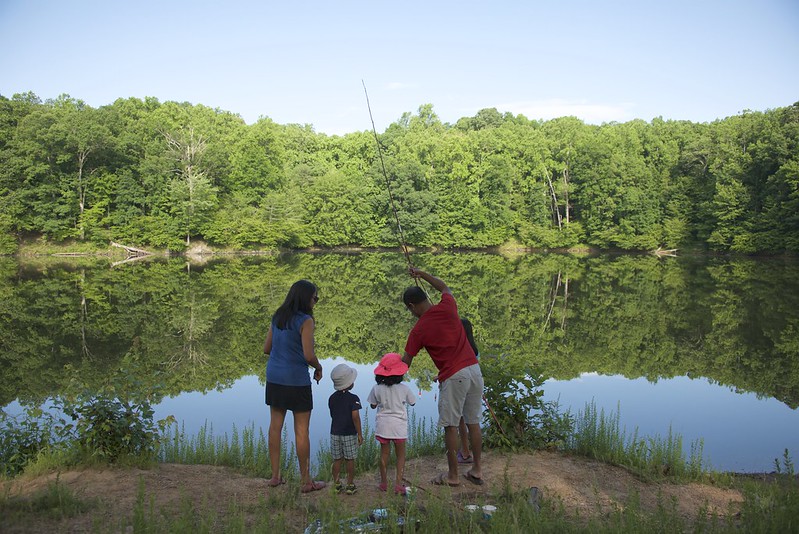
(467, 326)
(389, 380)
(414, 295)
(297, 300)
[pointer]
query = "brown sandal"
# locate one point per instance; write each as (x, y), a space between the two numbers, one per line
(478, 481)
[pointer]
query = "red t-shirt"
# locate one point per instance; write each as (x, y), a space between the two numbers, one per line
(439, 331)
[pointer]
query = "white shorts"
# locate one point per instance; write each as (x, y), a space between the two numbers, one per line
(461, 395)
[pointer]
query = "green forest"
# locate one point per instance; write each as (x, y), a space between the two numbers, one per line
(153, 174)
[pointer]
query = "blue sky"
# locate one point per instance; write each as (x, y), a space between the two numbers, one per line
(303, 61)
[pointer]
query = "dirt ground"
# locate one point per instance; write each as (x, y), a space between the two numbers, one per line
(581, 485)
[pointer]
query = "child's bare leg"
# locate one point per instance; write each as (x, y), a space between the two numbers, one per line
(336, 469)
(350, 471)
(399, 450)
(385, 451)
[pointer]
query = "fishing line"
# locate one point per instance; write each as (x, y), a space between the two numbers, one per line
(400, 233)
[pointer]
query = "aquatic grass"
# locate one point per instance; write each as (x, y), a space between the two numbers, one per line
(600, 436)
(425, 437)
(248, 452)
(595, 435)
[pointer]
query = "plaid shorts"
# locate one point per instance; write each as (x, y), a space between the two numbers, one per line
(343, 447)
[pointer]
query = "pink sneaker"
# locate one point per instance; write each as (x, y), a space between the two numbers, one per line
(399, 489)
(464, 459)
(382, 486)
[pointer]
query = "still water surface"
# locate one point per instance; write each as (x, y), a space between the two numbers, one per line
(706, 347)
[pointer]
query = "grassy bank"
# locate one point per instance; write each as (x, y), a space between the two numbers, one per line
(770, 504)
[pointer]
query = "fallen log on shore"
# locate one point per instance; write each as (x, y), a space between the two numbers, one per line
(132, 251)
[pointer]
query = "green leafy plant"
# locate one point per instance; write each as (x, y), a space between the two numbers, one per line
(109, 428)
(112, 423)
(23, 438)
(517, 416)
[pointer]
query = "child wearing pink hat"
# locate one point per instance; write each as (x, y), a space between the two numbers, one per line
(389, 395)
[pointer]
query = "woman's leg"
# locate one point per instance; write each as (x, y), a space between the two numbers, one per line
(302, 441)
(276, 418)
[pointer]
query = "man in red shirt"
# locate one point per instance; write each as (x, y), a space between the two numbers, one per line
(440, 332)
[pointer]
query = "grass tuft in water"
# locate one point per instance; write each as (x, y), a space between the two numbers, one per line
(600, 436)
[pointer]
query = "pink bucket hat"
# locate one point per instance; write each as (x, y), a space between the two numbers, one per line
(391, 365)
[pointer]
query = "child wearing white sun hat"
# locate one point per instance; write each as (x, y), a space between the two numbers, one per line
(345, 426)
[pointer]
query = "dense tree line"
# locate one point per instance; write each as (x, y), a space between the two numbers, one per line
(163, 174)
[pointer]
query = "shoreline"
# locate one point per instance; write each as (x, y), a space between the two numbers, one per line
(29, 249)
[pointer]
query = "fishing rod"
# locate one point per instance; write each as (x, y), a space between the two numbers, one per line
(401, 234)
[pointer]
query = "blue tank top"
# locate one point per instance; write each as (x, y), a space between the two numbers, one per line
(286, 365)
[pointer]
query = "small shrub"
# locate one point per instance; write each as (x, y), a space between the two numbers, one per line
(112, 423)
(517, 417)
(110, 428)
(22, 439)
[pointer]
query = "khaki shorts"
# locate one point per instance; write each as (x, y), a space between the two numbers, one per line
(461, 395)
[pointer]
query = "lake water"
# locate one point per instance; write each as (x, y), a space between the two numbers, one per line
(706, 347)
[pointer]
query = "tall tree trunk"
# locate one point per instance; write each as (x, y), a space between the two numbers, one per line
(83, 155)
(555, 207)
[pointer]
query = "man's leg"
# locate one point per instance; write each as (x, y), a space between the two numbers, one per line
(471, 413)
(452, 395)
(463, 435)
(476, 441)
(451, 441)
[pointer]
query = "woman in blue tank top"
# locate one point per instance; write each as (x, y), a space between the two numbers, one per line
(290, 352)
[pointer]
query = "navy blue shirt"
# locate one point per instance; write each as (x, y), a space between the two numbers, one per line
(342, 404)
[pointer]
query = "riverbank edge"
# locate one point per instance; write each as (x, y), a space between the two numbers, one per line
(35, 247)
